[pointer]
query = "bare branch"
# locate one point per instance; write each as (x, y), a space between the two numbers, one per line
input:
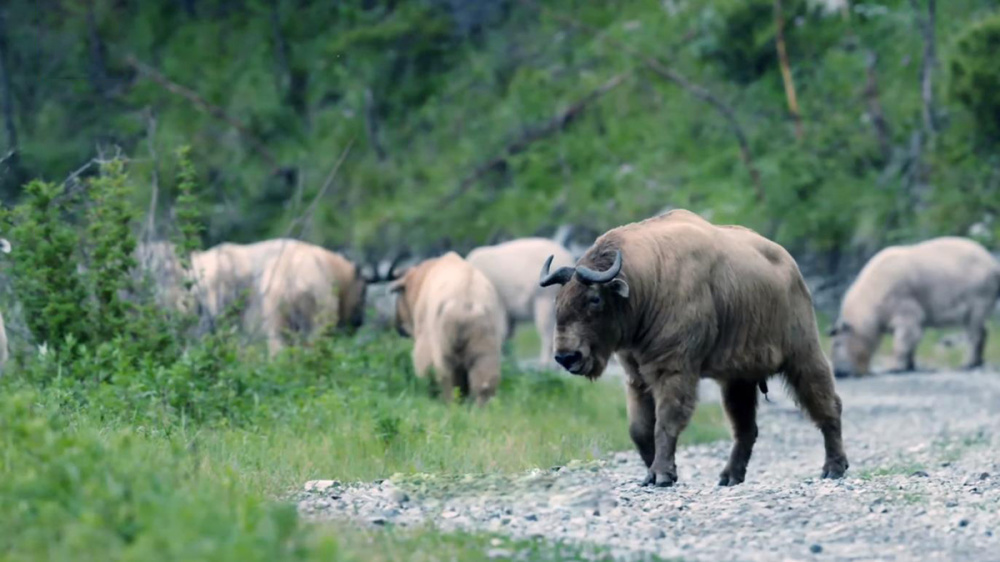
(535, 133)
(878, 119)
(786, 70)
(371, 125)
(199, 102)
(927, 25)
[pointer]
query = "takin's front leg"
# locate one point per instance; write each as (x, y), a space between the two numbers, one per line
(739, 397)
(641, 419)
(675, 396)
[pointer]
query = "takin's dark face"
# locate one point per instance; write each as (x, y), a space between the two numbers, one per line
(588, 325)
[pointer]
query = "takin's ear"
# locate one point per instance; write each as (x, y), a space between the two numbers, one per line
(619, 286)
(397, 287)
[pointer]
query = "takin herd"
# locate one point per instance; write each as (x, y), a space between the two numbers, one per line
(673, 298)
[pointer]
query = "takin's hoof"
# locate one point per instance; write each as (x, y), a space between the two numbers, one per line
(659, 479)
(730, 478)
(835, 468)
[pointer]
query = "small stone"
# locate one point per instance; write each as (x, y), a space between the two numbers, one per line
(816, 549)
(399, 496)
(377, 521)
(449, 515)
(531, 517)
(495, 542)
(963, 523)
(320, 485)
(951, 504)
(984, 475)
(499, 553)
(655, 533)
(921, 474)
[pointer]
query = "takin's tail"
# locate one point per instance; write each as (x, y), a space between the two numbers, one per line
(763, 389)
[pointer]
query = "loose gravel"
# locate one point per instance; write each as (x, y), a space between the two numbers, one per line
(924, 483)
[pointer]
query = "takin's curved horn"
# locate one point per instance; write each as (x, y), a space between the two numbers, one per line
(589, 276)
(560, 276)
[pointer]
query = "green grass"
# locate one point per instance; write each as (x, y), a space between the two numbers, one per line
(188, 461)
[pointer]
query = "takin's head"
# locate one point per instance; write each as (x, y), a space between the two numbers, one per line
(851, 350)
(352, 300)
(589, 310)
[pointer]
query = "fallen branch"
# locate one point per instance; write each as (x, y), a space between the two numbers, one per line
(533, 134)
(695, 90)
(203, 105)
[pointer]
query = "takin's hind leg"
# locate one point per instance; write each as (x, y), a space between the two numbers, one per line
(905, 338)
(739, 397)
(812, 386)
(977, 343)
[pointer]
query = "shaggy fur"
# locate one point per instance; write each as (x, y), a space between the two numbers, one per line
(291, 287)
(457, 322)
(696, 300)
(939, 283)
(305, 289)
(512, 267)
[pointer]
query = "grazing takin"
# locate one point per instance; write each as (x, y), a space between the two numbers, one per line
(290, 286)
(4, 353)
(304, 289)
(677, 299)
(457, 322)
(939, 283)
(511, 267)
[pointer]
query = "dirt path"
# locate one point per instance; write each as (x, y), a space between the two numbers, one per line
(924, 483)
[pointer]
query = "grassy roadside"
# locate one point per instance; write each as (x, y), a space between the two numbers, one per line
(185, 463)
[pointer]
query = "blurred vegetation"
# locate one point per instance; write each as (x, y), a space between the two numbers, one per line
(128, 435)
(444, 105)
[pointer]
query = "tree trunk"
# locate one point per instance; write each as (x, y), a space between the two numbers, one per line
(786, 71)
(98, 67)
(7, 106)
(927, 70)
(281, 70)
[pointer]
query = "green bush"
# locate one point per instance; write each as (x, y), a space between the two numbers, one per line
(44, 265)
(974, 80)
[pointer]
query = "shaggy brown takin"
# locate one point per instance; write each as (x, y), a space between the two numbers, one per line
(939, 283)
(457, 322)
(677, 299)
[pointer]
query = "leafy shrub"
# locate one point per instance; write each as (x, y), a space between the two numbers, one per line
(975, 75)
(44, 265)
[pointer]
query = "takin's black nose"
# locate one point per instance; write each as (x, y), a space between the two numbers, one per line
(569, 359)
(841, 374)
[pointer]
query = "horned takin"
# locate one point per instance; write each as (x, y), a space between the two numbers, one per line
(457, 323)
(511, 267)
(942, 282)
(678, 299)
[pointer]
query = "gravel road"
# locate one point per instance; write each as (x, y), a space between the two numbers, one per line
(924, 483)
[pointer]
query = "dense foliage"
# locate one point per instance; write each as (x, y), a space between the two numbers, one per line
(450, 114)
